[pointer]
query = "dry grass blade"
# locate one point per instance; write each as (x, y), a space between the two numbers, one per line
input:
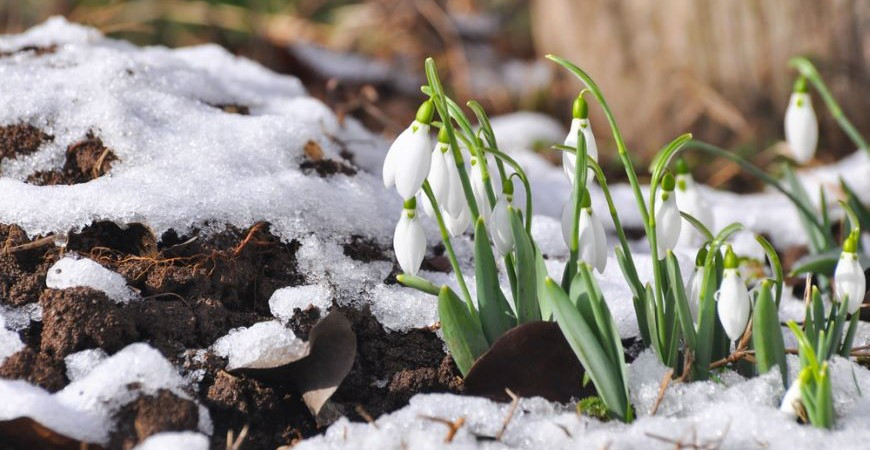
(235, 443)
(366, 416)
(666, 381)
(515, 401)
(452, 427)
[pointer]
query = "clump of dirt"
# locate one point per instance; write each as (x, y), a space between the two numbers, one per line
(194, 289)
(38, 368)
(149, 415)
(80, 318)
(365, 249)
(232, 108)
(85, 160)
(35, 50)
(21, 139)
(325, 167)
(393, 366)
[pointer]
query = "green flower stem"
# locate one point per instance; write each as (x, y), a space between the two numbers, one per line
(445, 237)
(807, 69)
(579, 191)
(617, 136)
(518, 170)
(441, 106)
(486, 127)
(758, 173)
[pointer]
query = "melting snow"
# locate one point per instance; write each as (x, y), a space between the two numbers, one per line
(264, 344)
(71, 272)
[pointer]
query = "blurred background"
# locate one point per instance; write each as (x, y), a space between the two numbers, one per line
(715, 68)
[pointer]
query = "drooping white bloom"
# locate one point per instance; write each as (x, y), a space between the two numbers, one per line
(500, 225)
(801, 125)
(579, 122)
(408, 159)
(849, 282)
(591, 239)
(439, 176)
(457, 225)
(791, 400)
(409, 239)
(693, 291)
(667, 218)
(691, 201)
(569, 160)
(456, 201)
(733, 299)
(478, 187)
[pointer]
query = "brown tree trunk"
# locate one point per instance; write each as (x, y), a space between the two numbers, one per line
(716, 68)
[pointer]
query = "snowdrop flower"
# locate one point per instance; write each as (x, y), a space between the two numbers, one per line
(592, 242)
(693, 285)
(691, 201)
(408, 160)
(801, 125)
(849, 283)
(733, 299)
(500, 227)
(478, 187)
(667, 218)
(580, 122)
(409, 240)
(791, 400)
(457, 225)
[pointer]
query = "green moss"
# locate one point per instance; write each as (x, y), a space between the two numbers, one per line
(593, 407)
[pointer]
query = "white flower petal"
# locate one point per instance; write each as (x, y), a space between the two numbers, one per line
(478, 187)
(791, 399)
(567, 221)
(412, 164)
(409, 243)
(456, 202)
(693, 291)
(456, 225)
(398, 146)
(600, 242)
(734, 304)
(439, 177)
(849, 281)
(569, 159)
(691, 201)
(801, 127)
(500, 227)
(668, 223)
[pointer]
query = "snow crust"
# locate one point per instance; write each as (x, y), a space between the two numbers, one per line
(285, 300)
(81, 363)
(74, 272)
(84, 409)
(735, 412)
(264, 344)
(10, 342)
(174, 440)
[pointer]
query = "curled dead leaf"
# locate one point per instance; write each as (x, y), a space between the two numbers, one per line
(532, 360)
(25, 432)
(318, 373)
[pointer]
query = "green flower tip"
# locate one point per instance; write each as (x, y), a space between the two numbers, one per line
(426, 112)
(585, 200)
(443, 136)
(411, 203)
(731, 261)
(400, 278)
(580, 110)
(682, 167)
(593, 407)
(668, 182)
(850, 245)
(800, 85)
(444, 290)
(701, 258)
(508, 187)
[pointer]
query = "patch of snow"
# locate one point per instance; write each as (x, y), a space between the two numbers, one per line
(521, 131)
(10, 342)
(81, 363)
(19, 318)
(263, 344)
(72, 272)
(174, 440)
(86, 407)
(738, 413)
(285, 300)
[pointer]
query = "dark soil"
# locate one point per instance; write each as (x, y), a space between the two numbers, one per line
(85, 160)
(32, 49)
(21, 139)
(194, 289)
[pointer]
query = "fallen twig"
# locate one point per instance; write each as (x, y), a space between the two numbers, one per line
(666, 381)
(515, 401)
(453, 426)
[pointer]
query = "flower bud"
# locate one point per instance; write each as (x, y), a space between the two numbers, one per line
(850, 286)
(409, 239)
(667, 217)
(801, 125)
(733, 299)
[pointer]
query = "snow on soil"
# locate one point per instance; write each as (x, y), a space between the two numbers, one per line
(734, 413)
(174, 440)
(73, 272)
(84, 409)
(264, 344)
(183, 164)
